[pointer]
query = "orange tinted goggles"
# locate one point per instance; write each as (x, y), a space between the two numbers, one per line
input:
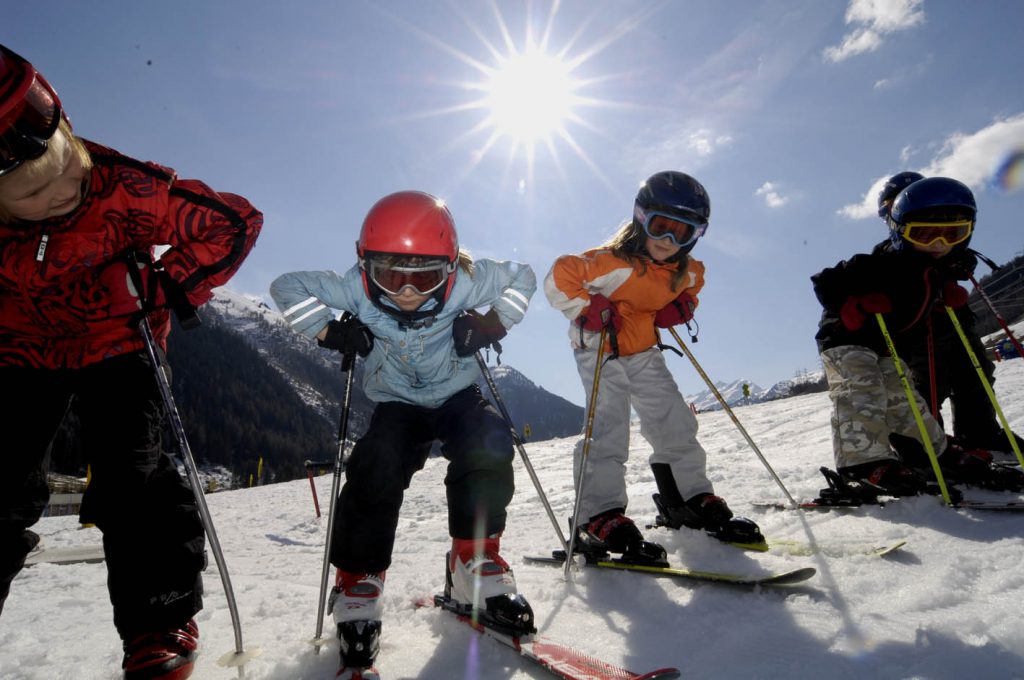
(927, 233)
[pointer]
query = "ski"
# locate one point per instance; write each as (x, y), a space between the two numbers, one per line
(783, 578)
(84, 554)
(844, 549)
(821, 504)
(558, 659)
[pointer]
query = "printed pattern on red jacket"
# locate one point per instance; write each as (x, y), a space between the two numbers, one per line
(64, 297)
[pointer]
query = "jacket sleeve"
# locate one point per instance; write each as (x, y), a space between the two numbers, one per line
(857, 276)
(574, 278)
(307, 299)
(507, 286)
(210, 235)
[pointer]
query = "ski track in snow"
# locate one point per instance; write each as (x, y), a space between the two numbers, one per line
(946, 606)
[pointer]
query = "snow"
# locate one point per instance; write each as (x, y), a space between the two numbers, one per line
(946, 606)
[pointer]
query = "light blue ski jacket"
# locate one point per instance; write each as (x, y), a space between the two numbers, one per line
(413, 366)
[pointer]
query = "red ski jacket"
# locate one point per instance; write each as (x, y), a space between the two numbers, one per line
(64, 298)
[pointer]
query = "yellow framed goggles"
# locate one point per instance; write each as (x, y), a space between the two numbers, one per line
(927, 233)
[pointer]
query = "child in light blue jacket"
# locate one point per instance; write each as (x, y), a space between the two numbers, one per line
(409, 296)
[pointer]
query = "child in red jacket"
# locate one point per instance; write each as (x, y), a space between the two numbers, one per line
(75, 218)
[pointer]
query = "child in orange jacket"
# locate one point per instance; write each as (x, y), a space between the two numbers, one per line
(642, 279)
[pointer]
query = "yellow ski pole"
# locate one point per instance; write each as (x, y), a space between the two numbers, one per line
(925, 439)
(984, 381)
(587, 431)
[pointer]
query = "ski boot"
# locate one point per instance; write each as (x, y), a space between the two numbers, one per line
(709, 512)
(356, 607)
(481, 584)
(996, 442)
(974, 467)
(162, 655)
(887, 477)
(613, 532)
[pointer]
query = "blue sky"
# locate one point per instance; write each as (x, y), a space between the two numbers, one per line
(790, 112)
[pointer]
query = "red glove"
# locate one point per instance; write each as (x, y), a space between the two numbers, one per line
(954, 295)
(599, 314)
(858, 307)
(676, 312)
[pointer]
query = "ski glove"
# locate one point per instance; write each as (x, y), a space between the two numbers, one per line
(857, 308)
(676, 312)
(473, 332)
(347, 335)
(600, 313)
(954, 295)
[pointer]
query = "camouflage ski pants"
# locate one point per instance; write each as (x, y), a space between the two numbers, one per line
(869, 403)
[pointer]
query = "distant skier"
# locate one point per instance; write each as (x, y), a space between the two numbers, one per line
(941, 353)
(409, 294)
(905, 280)
(72, 213)
(642, 279)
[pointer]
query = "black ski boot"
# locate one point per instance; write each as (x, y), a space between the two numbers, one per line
(888, 477)
(613, 532)
(974, 467)
(709, 512)
(360, 643)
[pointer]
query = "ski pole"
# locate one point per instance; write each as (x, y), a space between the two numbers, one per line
(340, 462)
(239, 657)
(486, 372)
(587, 432)
(986, 384)
(925, 439)
(735, 420)
(999, 317)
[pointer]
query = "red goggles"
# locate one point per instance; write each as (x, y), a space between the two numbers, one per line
(424, 278)
(927, 233)
(29, 119)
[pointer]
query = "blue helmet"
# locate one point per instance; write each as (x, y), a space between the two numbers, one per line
(676, 195)
(893, 186)
(934, 199)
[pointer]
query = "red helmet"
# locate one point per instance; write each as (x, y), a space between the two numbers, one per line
(29, 111)
(410, 223)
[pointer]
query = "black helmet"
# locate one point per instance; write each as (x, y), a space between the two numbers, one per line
(675, 195)
(893, 186)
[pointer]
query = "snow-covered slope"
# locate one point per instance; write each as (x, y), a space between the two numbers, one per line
(947, 606)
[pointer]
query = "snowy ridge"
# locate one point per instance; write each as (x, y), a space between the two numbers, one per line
(946, 606)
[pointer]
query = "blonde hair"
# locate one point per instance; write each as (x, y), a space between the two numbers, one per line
(629, 244)
(48, 162)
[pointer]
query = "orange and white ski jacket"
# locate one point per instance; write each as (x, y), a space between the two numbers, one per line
(636, 290)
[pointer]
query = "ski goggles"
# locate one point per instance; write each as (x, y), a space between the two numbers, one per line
(28, 123)
(680, 231)
(424, 278)
(927, 233)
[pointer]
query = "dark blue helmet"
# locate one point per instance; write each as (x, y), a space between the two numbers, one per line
(934, 199)
(893, 186)
(676, 195)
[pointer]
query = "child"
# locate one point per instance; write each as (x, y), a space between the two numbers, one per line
(906, 281)
(942, 355)
(641, 280)
(409, 293)
(73, 216)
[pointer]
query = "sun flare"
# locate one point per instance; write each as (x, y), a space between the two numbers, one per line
(530, 96)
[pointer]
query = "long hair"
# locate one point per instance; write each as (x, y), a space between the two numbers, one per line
(629, 244)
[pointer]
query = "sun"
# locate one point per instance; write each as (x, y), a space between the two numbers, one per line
(530, 96)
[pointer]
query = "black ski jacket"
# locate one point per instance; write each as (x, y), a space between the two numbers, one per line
(913, 282)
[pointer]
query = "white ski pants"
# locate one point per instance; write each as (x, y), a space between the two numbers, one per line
(666, 422)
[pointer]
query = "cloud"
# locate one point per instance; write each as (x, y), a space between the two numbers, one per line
(705, 142)
(975, 159)
(772, 198)
(872, 21)
(686, 147)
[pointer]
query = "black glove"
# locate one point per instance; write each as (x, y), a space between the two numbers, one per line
(348, 335)
(473, 332)
(961, 265)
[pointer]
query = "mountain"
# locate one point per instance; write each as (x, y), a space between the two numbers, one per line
(276, 395)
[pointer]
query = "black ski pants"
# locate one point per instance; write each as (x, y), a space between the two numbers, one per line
(153, 537)
(974, 418)
(475, 440)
